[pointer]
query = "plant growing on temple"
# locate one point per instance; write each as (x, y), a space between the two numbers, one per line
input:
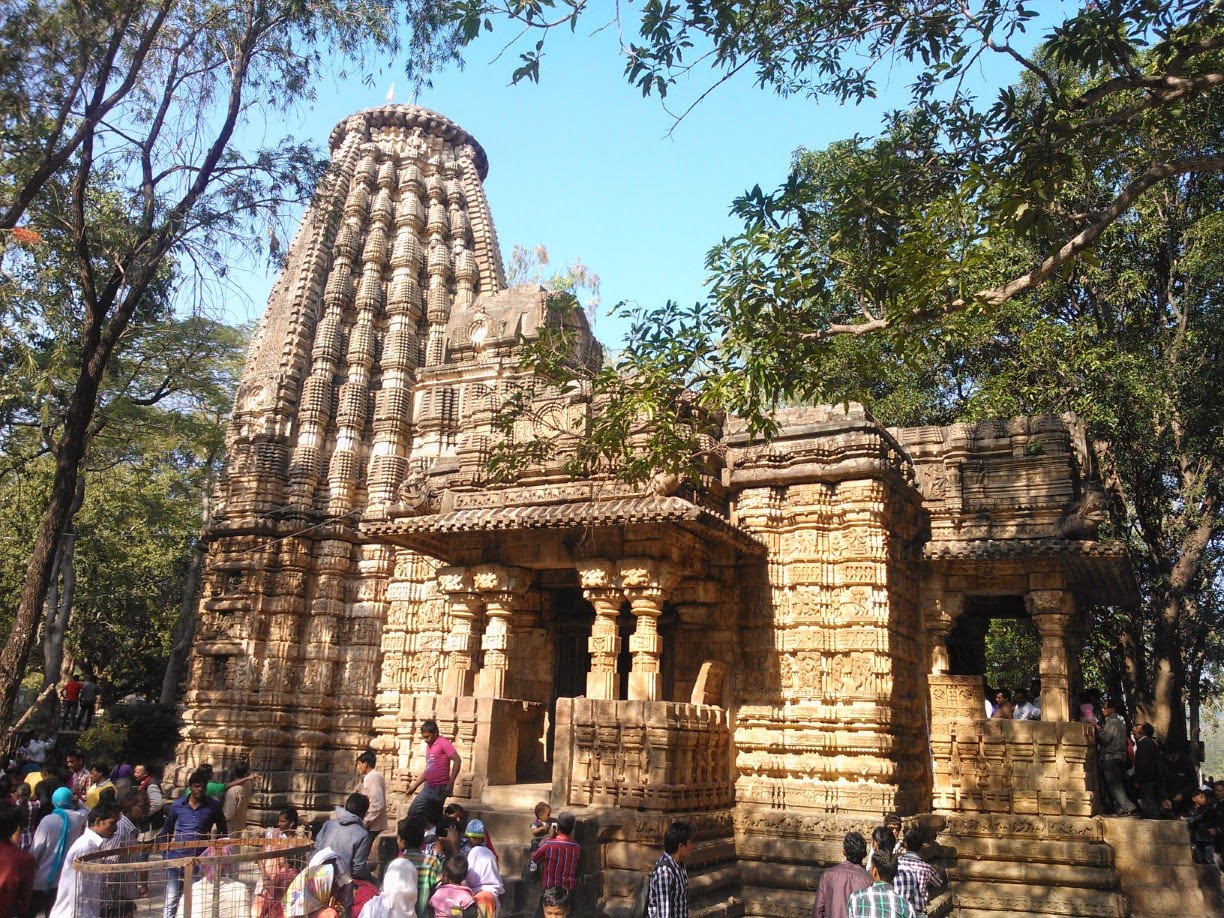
(119, 123)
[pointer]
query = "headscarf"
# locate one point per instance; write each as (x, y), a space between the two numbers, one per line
(63, 801)
(312, 889)
(399, 892)
(120, 772)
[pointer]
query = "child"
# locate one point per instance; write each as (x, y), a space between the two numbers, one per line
(556, 902)
(30, 808)
(454, 892)
(539, 829)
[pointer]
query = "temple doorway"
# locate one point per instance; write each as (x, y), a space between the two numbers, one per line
(572, 620)
(997, 639)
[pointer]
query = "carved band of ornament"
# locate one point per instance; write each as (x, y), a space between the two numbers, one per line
(1091, 904)
(493, 578)
(1050, 828)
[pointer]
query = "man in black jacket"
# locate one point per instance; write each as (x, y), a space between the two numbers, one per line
(1147, 771)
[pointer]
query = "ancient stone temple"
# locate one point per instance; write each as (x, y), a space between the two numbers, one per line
(787, 652)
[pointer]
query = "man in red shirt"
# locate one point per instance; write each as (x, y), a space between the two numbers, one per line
(16, 866)
(558, 857)
(442, 765)
(72, 701)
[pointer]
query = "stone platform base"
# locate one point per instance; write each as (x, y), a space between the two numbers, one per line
(1158, 876)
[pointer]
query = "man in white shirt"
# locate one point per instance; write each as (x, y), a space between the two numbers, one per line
(374, 786)
(1025, 709)
(80, 895)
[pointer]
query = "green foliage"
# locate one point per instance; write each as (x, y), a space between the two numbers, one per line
(104, 740)
(151, 731)
(1013, 651)
(132, 732)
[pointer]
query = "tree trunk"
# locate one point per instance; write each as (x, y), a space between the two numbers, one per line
(70, 452)
(184, 629)
(60, 596)
(1194, 693)
(1134, 673)
(1168, 709)
(189, 608)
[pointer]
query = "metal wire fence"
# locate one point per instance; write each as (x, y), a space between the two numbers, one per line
(241, 877)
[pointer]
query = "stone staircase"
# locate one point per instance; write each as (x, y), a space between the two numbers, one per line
(1157, 875)
(507, 812)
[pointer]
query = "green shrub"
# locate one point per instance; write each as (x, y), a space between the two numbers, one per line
(152, 731)
(133, 732)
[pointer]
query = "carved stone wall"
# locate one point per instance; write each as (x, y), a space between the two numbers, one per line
(641, 755)
(830, 713)
(1024, 767)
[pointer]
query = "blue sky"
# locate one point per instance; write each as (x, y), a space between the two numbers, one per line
(584, 165)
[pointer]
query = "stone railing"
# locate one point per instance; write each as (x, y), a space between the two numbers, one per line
(641, 755)
(1025, 767)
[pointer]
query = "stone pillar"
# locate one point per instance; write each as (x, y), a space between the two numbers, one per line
(646, 584)
(501, 588)
(460, 645)
(1053, 612)
(940, 610)
(598, 581)
(646, 679)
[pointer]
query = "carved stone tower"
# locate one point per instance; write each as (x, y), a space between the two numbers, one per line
(396, 247)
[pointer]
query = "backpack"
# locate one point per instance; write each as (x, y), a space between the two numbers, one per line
(472, 910)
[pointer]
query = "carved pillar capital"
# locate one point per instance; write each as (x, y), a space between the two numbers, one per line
(453, 579)
(594, 575)
(647, 573)
(497, 578)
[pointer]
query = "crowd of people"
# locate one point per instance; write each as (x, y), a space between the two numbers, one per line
(897, 880)
(55, 809)
(1140, 778)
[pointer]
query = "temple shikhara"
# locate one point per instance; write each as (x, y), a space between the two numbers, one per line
(780, 655)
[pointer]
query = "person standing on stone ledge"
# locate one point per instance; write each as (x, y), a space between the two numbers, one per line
(839, 883)
(1111, 740)
(1147, 771)
(442, 764)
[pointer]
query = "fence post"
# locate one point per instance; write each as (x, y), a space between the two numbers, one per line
(188, 879)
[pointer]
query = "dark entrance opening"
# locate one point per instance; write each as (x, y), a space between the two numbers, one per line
(572, 618)
(995, 638)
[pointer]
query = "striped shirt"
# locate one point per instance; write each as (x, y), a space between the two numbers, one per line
(559, 858)
(915, 878)
(429, 873)
(668, 896)
(879, 900)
